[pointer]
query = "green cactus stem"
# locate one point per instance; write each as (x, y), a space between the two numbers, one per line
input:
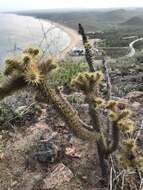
(88, 50)
(68, 113)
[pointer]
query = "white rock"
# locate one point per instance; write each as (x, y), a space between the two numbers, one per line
(59, 175)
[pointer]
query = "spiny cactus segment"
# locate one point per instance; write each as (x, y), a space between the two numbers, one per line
(32, 74)
(12, 64)
(31, 51)
(121, 117)
(48, 65)
(88, 81)
(130, 155)
(29, 66)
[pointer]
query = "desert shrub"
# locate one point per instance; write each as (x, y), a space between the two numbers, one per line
(122, 63)
(18, 115)
(6, 113)
(138, 45)
(66, 71)
(139, 57)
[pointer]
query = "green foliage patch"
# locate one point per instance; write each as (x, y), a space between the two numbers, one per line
(66, 71)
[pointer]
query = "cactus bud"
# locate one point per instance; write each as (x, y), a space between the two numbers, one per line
(31, 51)
(99, 101)
(126, 125)
(113, 116)
(125, 113)
(87, 81)
(111, 105)
(26, 59)
(12, 62)
(47, 66)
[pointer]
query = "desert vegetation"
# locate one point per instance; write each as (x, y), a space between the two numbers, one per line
(108, 132)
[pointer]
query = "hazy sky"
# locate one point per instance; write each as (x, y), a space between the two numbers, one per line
(50, 4)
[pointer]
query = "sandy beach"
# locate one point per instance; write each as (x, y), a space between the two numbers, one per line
(75, 39)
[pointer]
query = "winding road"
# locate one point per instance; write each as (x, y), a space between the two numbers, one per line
(131, 47)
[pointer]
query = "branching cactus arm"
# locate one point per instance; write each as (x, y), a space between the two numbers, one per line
(89, 84)
(69, 115)
(28, 73)
(120, 122)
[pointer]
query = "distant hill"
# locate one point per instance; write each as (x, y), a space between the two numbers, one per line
(91, 19)
(134, 21)
(115, 15)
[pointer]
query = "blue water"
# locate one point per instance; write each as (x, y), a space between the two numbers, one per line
(18, 32)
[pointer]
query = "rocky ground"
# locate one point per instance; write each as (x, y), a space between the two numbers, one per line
(126, 77)
(37, 151)
(45, 155)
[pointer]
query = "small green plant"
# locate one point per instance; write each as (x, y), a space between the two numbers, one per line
(65, 72)
(6, 113)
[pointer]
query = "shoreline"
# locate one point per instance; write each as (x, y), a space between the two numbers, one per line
(75, 38)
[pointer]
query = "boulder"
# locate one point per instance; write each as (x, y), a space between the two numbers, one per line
(57, 177)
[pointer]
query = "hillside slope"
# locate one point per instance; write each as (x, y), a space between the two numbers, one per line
(134, 21)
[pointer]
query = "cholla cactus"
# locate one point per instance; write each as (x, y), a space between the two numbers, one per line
(130, 155)
(30, 72)
(118, 119)
(89, 84)
(121, 117)
(28, 67)
(88, 49)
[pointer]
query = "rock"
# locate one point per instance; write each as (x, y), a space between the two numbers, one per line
(59, 175)
(136, 105)
(71, 151)
(134, 96)
(18, 169)
(60, 124)
(20, 109)
(47, 152)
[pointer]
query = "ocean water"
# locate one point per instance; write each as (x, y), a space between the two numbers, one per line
(18, 32)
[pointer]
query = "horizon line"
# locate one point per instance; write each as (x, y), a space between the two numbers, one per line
(66, 8)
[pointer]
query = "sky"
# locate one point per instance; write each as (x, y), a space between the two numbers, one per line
(9, 5)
